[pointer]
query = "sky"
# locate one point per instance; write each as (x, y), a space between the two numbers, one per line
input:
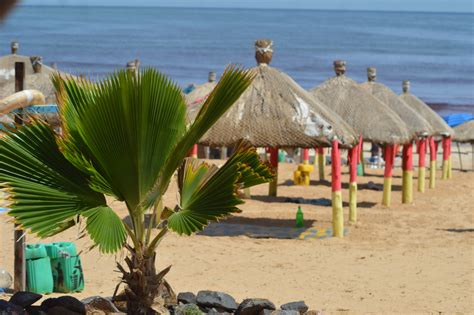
(465, 6)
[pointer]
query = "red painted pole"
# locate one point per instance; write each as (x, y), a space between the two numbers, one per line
(407, 166)
(387, 182)
(421, 164)
(445, 145)
(337, 213)
(353, 159)
(272, 190)
(305, 155)
(433, 155)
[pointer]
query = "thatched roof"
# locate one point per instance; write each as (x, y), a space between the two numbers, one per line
(363, 112)
(276, 111)
(439, 126)
(416, 124)
(37, 81)
(464, 132)
(198, 96)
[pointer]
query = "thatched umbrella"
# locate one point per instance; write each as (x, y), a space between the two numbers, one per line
(276, 112)
(439, 126)
(416, 124)
(465, 133)
(194, 100)
(372, 119)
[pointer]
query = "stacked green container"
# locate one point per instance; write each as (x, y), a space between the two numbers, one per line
(39, 278)
(66, 267)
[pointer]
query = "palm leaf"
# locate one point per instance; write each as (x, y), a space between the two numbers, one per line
(122, 130)
(208, 193)
(232, 84)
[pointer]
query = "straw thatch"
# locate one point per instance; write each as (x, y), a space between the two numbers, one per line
(276, 111)
(37, 81)
(198, 96)
(439, 126)
(416, 124)
(464, 132)
(363, 112)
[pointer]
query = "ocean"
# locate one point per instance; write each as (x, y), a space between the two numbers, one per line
(435, 51)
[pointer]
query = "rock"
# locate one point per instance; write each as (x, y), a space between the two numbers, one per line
(254, 306)
(187, 298)
(60, 310)
(213, 311)
(98, 303)
(299, 306)
(35, 310)
(24, 299)
(279, 312)
(187, 309)
(67, 302)
(220, 301)
(10, 308)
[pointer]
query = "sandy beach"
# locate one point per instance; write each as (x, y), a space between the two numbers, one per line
(416, 258)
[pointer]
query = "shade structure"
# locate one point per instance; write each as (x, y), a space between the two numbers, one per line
(276, 112)
(416, 124)
(464, 132)
(363, 112)
(198, 96)
(439, 126)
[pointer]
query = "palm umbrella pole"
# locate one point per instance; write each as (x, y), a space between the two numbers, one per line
(445, 146)
(387, 181)
(321, 162)
(407, 165)
(421, 164)
(353, 159)
(433, 155)
(272, 189)
(450, 158)
(305, 156)
(194, 151)
(337, 213)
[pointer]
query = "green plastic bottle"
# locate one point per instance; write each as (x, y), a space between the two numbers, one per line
(299, 218)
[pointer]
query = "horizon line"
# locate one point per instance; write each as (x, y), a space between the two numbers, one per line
(235, 8)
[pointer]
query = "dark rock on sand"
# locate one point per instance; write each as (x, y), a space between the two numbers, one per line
(254, 306)
(221, 301)
(24, 299)
(299, 306)
(187, 298)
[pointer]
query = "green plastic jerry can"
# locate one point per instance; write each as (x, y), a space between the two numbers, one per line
(66, 267)
(39, 278)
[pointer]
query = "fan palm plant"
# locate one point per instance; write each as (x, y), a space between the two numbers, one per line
(125, 137)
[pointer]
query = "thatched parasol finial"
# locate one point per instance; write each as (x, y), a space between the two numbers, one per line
(211, 77)
(133, 66)
(264, 51)
(406, 86)
(371, 74)
(339, 67)
(37, 63)
(14, 47)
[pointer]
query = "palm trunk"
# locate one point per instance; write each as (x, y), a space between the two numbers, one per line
(146, 292)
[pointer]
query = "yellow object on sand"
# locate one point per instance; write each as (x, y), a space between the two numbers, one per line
(337, 214)
(421, 179)
(387, 191)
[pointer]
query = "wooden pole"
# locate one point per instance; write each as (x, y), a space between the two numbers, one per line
(206, 152)
(387, 181)
(444, 144)
(272, 189)
(19, 283)
(223, 153)
(450, 158)
(433, 156)
(321, 162)
(353, 159)
(337, 212)
(407, 184)
(305, 156)
(421, 164)
(459, 154)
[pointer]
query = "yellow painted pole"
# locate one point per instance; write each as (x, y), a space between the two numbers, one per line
(321, 162)
(353, 159)
(445, 158)
(337, 212)
(433, 156)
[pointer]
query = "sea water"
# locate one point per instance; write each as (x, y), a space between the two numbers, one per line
(432, 50)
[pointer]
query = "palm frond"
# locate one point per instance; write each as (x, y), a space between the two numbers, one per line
(208, 193)
(232, 84)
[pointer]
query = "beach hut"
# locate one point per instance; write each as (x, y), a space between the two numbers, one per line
(369, 117)
(465, 133)
(194, 100)
(276, 112)
(440, 129)
(418, 127)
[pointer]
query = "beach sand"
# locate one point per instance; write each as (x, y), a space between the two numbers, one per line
(406, 258)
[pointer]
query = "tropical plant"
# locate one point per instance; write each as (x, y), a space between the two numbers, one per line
(126, 137)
